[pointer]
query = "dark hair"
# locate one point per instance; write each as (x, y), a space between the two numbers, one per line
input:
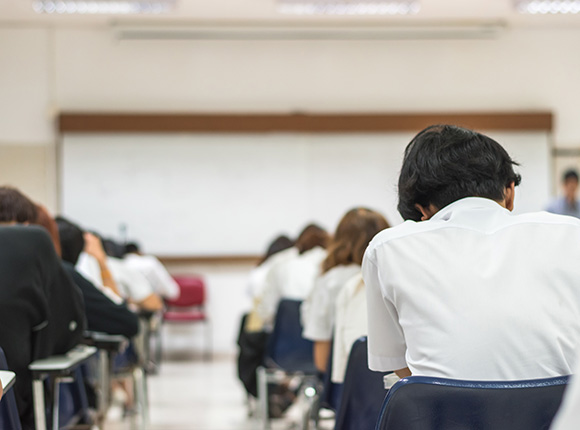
(16, 207)
(311, 236)
(281, 243)
(44, 219)
(72, 241)
(132, 248)
(445, 163)
(353, 234)
(113, 248)
(570, 174)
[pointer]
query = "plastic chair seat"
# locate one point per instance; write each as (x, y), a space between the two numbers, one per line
(189, 307)
(424, 403)
(184, 316)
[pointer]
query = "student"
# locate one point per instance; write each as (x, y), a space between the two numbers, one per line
(293, 278)
(252, 339)
(41, 309)
(110, 274)
(465, 289)
(281, 248)
(153, 270)
(105, 313)
(567, 204)
(345, 253)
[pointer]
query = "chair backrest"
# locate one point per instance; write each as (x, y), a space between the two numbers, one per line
(287, 348)
(363, 392)
(191, 292)
(331, 391)
(73, 402)
(9, 417)
(419, 402)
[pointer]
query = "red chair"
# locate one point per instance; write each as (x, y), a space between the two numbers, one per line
(189, 307)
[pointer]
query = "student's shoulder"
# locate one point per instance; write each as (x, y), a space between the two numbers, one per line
(406, 229)
(400, 232)
(547, 218)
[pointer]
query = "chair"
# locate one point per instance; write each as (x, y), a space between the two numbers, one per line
(287, 354)
(50, 373)
(363, 392)
(73, 402)
(425, 403)
(9, 417)
(331, 391)
(189, 307)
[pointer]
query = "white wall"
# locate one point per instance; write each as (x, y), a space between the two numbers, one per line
(46, 70)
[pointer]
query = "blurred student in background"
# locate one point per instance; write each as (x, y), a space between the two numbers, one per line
(252, 338)
(342, 263)
(293, 278)
(153, 270)
(567, 204)
(106, 312)
(111, 275)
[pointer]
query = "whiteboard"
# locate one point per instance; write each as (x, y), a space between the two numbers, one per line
(230, 194)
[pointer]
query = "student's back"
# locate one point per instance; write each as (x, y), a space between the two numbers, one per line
(103, 314)
(41, 310)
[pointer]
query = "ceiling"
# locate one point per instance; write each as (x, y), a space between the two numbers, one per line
(19, 12)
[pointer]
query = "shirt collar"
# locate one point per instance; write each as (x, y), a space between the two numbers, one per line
(466, 204)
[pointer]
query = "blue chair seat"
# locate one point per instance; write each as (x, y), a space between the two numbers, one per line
(424, 403)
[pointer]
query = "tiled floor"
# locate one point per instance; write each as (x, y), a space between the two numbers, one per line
(197, 395)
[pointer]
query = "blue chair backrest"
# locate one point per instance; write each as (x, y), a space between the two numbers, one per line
(9, 417)
(424, 403)
(331, 391)
(363, 392)
(287, 348)
(73, 402)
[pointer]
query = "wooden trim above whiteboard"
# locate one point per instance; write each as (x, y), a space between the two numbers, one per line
(102, 122)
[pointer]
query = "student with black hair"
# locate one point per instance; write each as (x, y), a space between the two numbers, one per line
(568, 203)
(105, 313)
(464, 288)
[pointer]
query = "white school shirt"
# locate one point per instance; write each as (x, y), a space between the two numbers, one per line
(131, 283)
(258, 275)
(155, 272)
(88, 266)
(290, 279)
(351, 323)
(317, 311)
(475, 293)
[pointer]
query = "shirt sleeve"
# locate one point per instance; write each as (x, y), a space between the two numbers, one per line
(386, 341)
(319, 317)
(164, 282)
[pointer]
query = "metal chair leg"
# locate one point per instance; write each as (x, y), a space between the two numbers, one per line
(262, 379)
(39, 411)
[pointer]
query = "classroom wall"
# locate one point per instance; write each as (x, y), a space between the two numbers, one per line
(44, 70)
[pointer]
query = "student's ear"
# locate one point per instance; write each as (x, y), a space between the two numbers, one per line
(426, 211)
(510, 194)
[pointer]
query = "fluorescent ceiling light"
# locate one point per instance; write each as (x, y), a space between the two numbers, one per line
(349, 7)
(112, 7)
(546, 7)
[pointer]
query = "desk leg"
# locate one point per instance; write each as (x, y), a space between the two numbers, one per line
(39, 410)
(56, 404)
(104, 376)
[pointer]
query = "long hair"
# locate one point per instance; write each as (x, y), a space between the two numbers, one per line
(353, 234)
